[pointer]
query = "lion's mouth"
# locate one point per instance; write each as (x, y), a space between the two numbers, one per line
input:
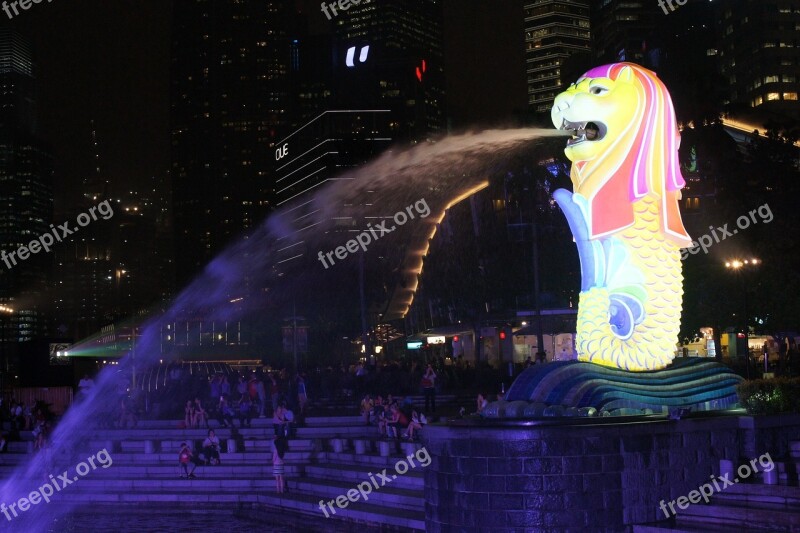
(589, 131)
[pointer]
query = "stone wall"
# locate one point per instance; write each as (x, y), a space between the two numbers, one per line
(599, 475)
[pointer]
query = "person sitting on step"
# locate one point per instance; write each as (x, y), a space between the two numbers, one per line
(211, 448)
(417, 421)
(396, 422)
(245, 416)
(366, 408)
(185, 458)
(225, 412)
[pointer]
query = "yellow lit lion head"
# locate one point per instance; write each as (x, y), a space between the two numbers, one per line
(624, 146)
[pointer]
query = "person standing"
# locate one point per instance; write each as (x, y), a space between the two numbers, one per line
(262, 395)
(274, 391)
(85, 385)
(302, 397)
(280, 446)
(429, 389)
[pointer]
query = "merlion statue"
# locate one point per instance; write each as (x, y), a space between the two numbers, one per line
(624, 216)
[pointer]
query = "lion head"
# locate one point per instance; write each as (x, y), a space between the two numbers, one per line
(624, 146)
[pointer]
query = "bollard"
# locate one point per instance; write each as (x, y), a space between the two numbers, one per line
(726, 467)
(338, 445)
(384, 448)
(360, 447)
(409, 448)
(771, 477)
(231, 445)
(149, 446)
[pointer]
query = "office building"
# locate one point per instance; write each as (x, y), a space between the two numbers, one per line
(229, 101)
(555, 30)
(26, 193)
(759, 54)
(389, 55)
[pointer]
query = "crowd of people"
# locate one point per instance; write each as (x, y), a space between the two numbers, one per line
(394, 418)
(35, 416)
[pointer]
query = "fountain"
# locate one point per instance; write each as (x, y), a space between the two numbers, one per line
(441, 173)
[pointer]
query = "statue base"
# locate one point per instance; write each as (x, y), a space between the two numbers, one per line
(688, 383)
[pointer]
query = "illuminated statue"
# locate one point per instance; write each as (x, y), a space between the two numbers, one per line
(623, 213)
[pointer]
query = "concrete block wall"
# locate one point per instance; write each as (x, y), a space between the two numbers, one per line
(597, 477)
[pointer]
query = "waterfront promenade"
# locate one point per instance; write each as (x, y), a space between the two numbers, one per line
(326, 457)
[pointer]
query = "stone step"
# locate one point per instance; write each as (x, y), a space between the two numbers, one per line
(310, 421)
(175, 484)
(260, 444)
(388, 495)
(368, 459)
(225, 471)
(18, 446)
(157, 459)
(354, 474)
(190, 495)
(360, 430)
(199, 491)
(742, 494)
(703, 528)
(14, 458)
(367, 512)
(765, 517)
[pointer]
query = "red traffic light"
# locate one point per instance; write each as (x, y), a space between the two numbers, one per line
(502, 335)
(455, 338)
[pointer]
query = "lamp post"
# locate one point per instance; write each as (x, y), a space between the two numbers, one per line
(5, 312)
(740, 266)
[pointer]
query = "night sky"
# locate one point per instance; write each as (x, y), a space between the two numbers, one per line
(109, 61)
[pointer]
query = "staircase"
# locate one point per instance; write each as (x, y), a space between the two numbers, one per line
(745, 506)
(321, 464)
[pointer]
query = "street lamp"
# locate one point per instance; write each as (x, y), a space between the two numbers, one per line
(5, 311)
(739, 266)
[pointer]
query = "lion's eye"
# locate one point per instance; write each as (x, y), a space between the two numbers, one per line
(598, 90)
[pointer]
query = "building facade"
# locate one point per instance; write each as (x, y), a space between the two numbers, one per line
(389, 55)
(229, 101)
(760, 55)
(555, 30)
(26, 194)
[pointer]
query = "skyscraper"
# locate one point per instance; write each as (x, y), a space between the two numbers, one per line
(229, 99)
(388, 55)
(555, 30)
(26, 196)
(625, 31)
(759, 54)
